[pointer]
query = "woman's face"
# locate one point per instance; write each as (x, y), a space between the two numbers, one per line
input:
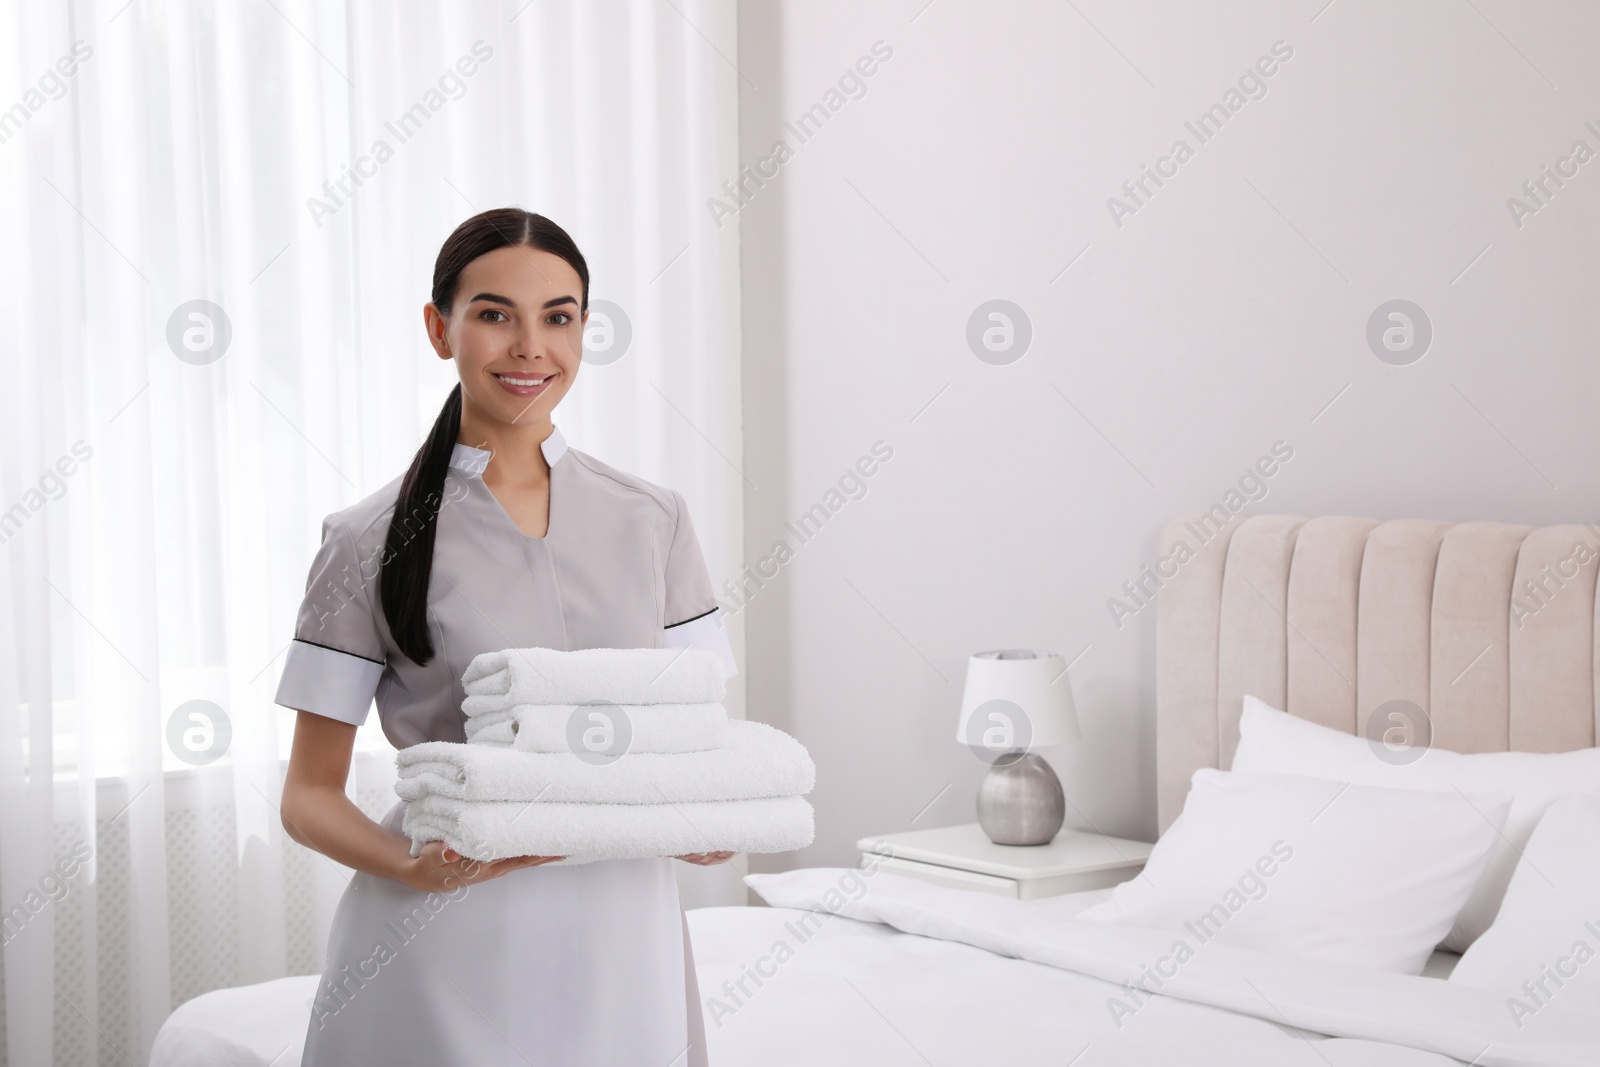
(514, 333)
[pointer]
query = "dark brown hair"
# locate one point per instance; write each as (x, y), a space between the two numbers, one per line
(408, 552)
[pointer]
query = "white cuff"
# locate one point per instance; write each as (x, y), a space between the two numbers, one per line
(328, 682)
(708, 632)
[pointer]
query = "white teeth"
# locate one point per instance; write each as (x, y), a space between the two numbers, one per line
(522, 381)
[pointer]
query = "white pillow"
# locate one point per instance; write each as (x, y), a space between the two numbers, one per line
(1544, 947)
(1275, 742)
(1312, 868)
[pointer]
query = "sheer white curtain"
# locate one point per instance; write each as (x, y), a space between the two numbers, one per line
(166, 463)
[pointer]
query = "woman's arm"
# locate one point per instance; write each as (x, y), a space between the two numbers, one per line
(317, 814)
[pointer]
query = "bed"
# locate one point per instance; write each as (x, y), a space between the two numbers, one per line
(1328, 618)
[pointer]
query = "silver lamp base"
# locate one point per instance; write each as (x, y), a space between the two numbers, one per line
(1020, 801)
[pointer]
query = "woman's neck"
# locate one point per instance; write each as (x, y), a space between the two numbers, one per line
(517, 453)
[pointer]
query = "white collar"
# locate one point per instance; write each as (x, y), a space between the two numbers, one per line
(474, 460)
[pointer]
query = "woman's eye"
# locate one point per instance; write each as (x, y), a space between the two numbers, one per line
(560, 318)
(493, 311)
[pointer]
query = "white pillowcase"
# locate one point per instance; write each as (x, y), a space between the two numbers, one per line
(1544, 947)
(1275, 742)
(1312, 868)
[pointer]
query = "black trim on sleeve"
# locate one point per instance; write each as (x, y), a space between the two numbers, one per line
(702, 615)
(357, 655)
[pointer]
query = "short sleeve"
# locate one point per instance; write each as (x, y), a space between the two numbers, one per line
(336, 657)
(692, 617)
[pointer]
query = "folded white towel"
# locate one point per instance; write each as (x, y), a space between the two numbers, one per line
(756, 760)
(620, 675)
(588, 832)
(601, 727)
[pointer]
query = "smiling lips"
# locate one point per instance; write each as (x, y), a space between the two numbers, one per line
(523, 385)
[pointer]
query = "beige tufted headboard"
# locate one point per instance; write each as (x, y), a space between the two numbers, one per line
(1488, 627)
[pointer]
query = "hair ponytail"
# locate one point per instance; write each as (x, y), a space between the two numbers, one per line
(408, 550)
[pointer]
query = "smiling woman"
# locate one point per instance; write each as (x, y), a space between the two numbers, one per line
(498, 536)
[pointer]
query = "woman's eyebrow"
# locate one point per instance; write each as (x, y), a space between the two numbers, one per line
(496, 298)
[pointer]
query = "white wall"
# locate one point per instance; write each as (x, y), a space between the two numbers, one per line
(1221, 317)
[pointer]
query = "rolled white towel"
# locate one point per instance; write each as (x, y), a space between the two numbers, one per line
(515, 676)
(588, 832)
(756, 760)
(601, 727)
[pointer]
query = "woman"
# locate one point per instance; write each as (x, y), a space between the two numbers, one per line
(498, 536)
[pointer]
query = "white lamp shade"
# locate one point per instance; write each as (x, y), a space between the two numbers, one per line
(1019, 698)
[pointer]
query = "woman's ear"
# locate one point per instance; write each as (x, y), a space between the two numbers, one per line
(436, 325)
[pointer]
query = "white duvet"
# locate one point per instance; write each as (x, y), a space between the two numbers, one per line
(991, 979)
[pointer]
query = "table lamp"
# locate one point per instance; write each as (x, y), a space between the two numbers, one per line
(1015, 701)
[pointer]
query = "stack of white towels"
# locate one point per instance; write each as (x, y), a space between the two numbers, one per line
(605, 753)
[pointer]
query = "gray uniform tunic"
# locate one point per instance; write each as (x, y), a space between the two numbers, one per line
(579, 965)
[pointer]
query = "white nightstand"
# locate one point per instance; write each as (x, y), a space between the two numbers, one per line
(963, 857)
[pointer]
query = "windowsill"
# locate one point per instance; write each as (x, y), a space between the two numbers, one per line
(111, 740)
(197, 788)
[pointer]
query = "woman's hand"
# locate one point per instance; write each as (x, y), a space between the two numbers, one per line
(440, 868)
(705, 859)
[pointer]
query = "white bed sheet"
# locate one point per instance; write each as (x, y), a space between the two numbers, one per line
(246, 1026)
(865, 993)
